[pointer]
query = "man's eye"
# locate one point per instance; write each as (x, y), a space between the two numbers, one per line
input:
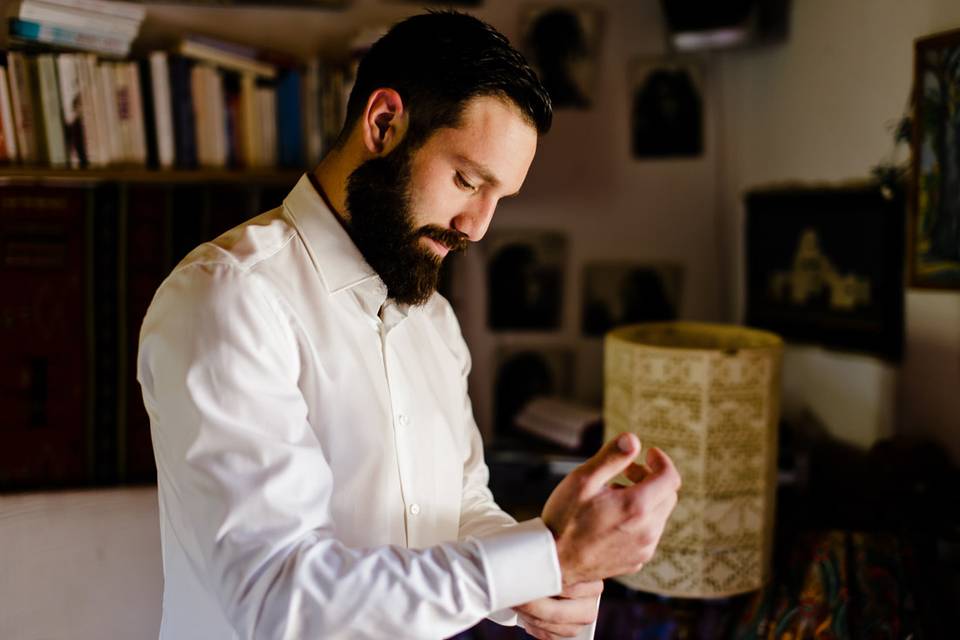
(462, 182)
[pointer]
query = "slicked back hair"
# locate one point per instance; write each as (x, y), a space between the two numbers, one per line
(437, 62)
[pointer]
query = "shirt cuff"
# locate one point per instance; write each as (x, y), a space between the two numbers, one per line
(521, 564)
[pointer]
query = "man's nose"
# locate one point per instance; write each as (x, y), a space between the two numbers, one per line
(475, 220)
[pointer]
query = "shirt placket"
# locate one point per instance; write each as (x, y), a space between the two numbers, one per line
(401, 404)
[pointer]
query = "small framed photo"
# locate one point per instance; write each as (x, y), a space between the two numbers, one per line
(525, 373)
(525, 279)
(934, 242)
(623, 292)
(562, 43)
(666, 108)
(825, 266)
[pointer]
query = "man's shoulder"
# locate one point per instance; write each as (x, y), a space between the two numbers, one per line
(246, 245)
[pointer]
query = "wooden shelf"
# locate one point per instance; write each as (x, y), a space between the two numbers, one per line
(13, 174)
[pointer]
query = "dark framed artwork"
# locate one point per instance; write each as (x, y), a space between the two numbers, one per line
(934, 244)
(666, 108)
(524, 373)
(825, 266)
(562, 43)
(622, 292)
(525, 273)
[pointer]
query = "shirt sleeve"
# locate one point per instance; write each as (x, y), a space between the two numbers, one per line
(534, 564)
(247, 486)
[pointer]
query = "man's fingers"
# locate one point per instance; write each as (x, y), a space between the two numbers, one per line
(610, 461)
(561, 611)
(590, 589)
(637, 472)
(660, 463)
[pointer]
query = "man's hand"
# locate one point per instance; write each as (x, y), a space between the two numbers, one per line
(562, 616)
(604, 530)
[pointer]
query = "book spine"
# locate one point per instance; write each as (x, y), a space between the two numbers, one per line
(77, 19)
(96, 153)
(138, 131)
(290, 121)
(125, 10)
(50, 34)
(70, 99)
(184, 119)
(7, 127)
(162, 108)
(22, 104)
(145, 78)
(124, 112)
(114, 137)
(36, 105)
(43, 407)
(52, 116)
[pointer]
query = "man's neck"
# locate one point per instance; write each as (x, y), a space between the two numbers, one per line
(330, 179)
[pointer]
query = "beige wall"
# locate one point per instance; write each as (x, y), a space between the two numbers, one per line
(820, 108)
(80, 565)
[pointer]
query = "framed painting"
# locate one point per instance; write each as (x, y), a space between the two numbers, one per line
(934, 230)
(824, 265)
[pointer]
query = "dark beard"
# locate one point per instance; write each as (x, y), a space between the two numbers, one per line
(381, 225)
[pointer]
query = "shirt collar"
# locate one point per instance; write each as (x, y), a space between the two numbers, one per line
(336, 258)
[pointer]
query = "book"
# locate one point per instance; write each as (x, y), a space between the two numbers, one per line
(8, 134)
(21, 101)
(249, 121)
(129, 85)
(312, 123)
(35, 32)
(203, 49)
(77, 19)
(290, 132)
(89, 97)
(109, 91)
(44, 342)
(51, 109)
(266, 97)
(128, 10)
(184, 118)
(559, 421)
(145, 82)
(70, 102)
(162, 109)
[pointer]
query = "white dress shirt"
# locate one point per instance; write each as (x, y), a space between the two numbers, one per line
(320, 472)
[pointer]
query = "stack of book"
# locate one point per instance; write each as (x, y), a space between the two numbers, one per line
(204, 103)
(106, 28)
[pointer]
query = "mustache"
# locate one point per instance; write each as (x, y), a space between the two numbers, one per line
(450, 238)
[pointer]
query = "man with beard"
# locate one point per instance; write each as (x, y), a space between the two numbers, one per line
(320, 473)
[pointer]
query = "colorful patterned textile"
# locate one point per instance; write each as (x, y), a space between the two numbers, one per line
(836, 585)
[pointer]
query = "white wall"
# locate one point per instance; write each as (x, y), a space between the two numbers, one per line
(820, 108)
(80, 565)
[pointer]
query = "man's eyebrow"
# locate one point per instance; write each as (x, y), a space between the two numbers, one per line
(483, 171)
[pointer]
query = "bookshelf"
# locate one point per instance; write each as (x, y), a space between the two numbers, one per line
(15, 174)
(116, 160)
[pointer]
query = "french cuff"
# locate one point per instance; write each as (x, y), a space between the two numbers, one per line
(521, 564)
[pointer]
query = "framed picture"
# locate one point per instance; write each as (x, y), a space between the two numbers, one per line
(825, 266)
(666, 108)
(622, 292)
(525, 270)
(525, 373)
(562, 43)
(934, 245)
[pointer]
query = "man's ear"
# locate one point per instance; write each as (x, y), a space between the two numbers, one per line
(384, 122)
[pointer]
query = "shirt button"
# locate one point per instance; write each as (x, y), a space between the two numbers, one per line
(414, 509)
(402, 419)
